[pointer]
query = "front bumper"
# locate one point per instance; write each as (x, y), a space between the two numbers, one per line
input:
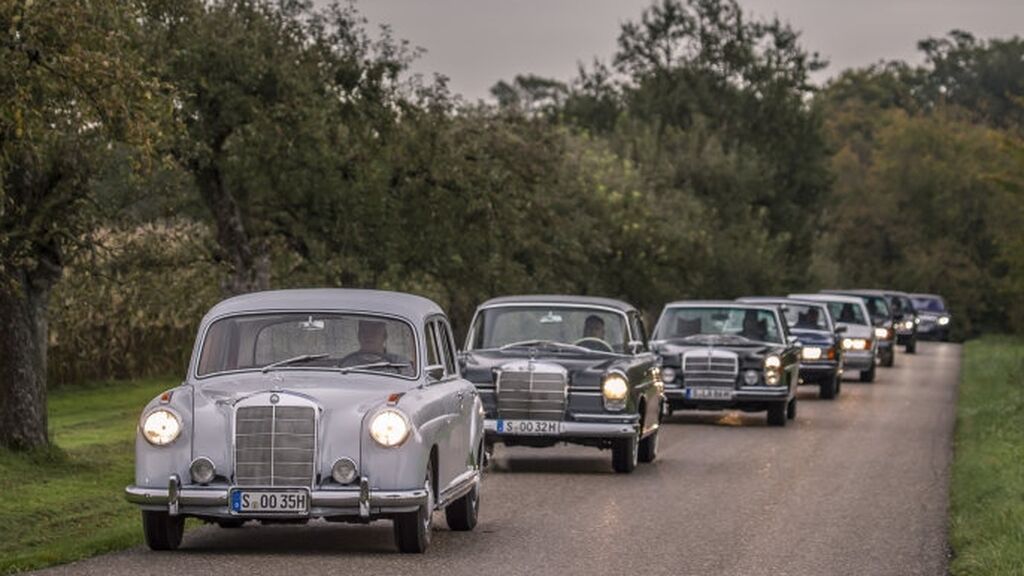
(356, 501)
(859, 359)
(741, 396)
(596, 426)
(813, 373)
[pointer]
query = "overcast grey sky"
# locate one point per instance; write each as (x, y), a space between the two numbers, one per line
(478, 42)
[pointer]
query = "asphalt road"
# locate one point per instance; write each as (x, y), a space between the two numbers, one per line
(856, 486)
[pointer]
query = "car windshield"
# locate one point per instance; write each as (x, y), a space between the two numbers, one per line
(847, 313)
(561, 328)
(307, 341)
(806, 317)
(735, 322)
(928, 304)
(877, 307)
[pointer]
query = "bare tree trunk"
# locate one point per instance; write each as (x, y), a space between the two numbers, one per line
(23, 341)
(250, 264)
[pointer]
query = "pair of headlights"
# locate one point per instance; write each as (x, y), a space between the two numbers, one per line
(856, 344)
(882, 333)
(389, 427)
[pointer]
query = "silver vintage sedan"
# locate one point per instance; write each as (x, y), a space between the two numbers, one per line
(346, 405)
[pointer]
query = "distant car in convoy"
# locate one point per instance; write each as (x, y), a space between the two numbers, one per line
(882, 318)
(573, 369)
(905, 320)
(728, 355)
(346, 405)
(858, 341)
(935, 319)
(821, 352)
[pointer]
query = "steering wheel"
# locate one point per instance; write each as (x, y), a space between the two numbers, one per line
(594, 343)
(357, 358)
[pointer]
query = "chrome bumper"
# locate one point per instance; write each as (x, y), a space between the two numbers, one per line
(859, 360)
(624, 428)
(743, 394)
(351, 501)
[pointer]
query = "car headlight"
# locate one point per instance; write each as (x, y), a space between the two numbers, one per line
(856, 344)
(344, 471)
(751, 377)
(202, 470)
(389, 428)
(881, 333)
(773, 362)
(614, 388)
(909, 324)
(771, 378)
(668, 375)
(811, 353)
(943, 320)
(161, 427)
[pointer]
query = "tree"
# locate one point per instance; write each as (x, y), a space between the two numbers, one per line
(71, 88)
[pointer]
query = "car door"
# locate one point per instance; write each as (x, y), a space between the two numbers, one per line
(463, 401)
(452, 443)
(644, 366)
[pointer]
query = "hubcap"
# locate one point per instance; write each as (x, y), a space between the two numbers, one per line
(429, 516)
(636, 448)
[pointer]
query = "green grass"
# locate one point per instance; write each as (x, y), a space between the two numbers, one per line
(68, 503)
(987, 491)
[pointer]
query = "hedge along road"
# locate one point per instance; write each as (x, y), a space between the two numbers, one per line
(854, 486)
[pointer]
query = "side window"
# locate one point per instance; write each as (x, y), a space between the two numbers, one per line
(431, 336)
(447, 350)
(637, 327)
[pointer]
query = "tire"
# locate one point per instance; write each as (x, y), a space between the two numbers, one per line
(867, 375)
(648, 448)
(625, 454)
(912, 346)
(889, 359)
(777, 414)
(463, 513)
(412, 529)
(161, 530)
(830, 388)
(231, 523)
(791, 409)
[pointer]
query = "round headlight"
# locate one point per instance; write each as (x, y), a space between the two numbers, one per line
(772, 362)
(161, 427)
(668, 375)
(909, 324)
(614, 387)
(344, 471)
(943, 320)
(202, 470)
(389, 428)
(751, 377)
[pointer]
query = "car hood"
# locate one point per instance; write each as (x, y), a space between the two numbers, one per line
(672, 352)
(814, 337)
(857, 331)
(584, 370)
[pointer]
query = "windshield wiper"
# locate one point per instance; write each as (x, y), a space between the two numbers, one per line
(293, 360)
(373, 366)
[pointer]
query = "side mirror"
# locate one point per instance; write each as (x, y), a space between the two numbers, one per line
(840, 329)
(635, 346)
(460, 357)
(793, 340)
(435, 371)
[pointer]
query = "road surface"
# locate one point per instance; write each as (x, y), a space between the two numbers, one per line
(854, 486)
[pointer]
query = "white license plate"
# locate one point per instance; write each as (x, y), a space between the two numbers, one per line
(270, 501)
(709, 393)
(528, 427)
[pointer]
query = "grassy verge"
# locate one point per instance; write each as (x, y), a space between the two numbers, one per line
(987, 492)
(67, 503)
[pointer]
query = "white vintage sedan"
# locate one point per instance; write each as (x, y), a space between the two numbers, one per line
(346, 405)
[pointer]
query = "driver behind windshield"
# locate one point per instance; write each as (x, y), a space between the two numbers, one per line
(373, 338)
(593, 334)
(753, 329)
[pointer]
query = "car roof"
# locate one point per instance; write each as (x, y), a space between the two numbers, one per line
(829, 296)
(717, 304)
(409, 306)
(778, 300)
(921, 295)
(596, 301)
(859, 292)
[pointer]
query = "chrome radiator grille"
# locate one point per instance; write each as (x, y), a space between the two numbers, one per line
(533, 393)
(710, 368)
(275, 445)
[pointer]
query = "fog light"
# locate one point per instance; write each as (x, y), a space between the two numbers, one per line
(771, 378)
(344, 471)
(668, 375)
(202, 470)
(751, 377)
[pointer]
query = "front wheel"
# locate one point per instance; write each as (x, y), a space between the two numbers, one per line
(162, 531)
(777, 414)
(889, 359)
(791, 409)
(412, 529)
(912, 346)
(829, 388)
(625, 452)
(868, 375)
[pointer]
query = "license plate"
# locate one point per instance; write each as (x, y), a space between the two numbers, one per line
(528, 427)
(270, 501)
(709, 393)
